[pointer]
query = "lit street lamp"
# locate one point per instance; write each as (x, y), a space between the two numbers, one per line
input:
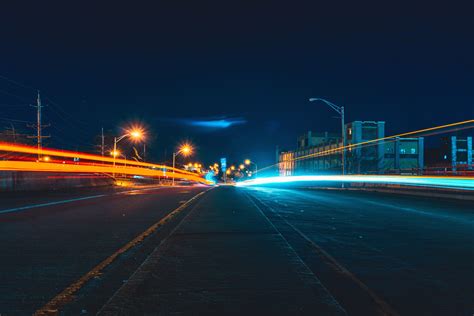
(117, 153)
(185, 150)
(249, 162)
(135, 134)
(340, 111)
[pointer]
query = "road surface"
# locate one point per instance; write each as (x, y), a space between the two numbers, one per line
(417, 254)
(261, 249)
(44, 249)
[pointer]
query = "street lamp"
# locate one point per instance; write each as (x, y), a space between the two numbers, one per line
(135, 134)
(117, 153)
(185, 150)
(249, 162)
(340, 111)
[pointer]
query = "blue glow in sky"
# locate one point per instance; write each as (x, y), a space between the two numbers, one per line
(221, 123)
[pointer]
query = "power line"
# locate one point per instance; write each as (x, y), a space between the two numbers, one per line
(59, 108)
(14, 95)
(12, 105)
(16, 82)
(14, 120)
(55, 108)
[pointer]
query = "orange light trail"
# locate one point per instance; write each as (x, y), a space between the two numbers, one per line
(70, 154)
(132, 168)
(74, 168)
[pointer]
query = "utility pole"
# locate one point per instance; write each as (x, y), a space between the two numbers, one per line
(102, 147)
(174, 164)
(11, 132)
(38, 125)
(344, 141)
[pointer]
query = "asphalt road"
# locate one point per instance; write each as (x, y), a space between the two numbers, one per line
(224, 258)
(50, 240)
(407, 255)
(415, 254)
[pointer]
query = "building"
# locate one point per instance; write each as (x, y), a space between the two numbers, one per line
(403, 155)
(367, 158)
(320, 152)
(454, 154)
(312, 139)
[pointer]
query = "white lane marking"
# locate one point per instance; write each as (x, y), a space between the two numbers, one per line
(22, 208)
(27, 207)
(138, 190)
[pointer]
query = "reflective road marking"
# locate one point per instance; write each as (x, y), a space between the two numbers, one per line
(22, 208)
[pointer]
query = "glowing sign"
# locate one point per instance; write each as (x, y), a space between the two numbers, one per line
(224, 164)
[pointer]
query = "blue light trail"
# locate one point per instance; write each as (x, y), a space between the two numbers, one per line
(419, 181)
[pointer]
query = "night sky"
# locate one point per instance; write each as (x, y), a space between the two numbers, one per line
(246, 69)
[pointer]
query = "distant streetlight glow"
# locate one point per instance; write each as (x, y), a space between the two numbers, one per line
(135, 133)
(250, 162)
(115, 153)
(185, 149)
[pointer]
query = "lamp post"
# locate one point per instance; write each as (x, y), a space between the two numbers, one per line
(134, 134)
(186, 150)
(250, 162)
(117, 153)
(340, 111)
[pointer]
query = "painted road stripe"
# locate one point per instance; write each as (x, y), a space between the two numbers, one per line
(27, 207)
(22, 208)
(383, 308)
(67, 295)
